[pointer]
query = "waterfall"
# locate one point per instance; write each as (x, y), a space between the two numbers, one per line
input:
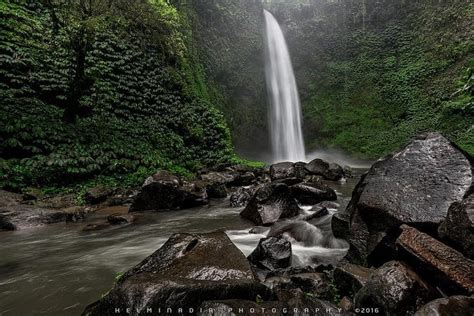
(285, 109)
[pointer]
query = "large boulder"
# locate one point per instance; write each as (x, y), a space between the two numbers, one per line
(97, 194)
(271, 253)
(271, 202)
(312, 193)
(446, 267)
(394, 289)
(458, 228)
(350, 278)
(25, 216)
(450, 306)
(288, 170)
(165, 191)
(416, 185)
(329, 171)
(186, 271)
(241, 196)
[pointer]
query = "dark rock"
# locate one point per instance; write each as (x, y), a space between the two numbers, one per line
(241, 307)
(330, 171)
(312, 193)
(258, 230)
(9, 198)
(309, 305)
(346, 304)
(347, 170)
(117, 219)
(186, 271)
(32, 194)
(25, 216)
(216, 190)
(97, 195)
(318, 213)
(289, 181)
(95, 227)
(286, 170)
(443, 265)
(242, 196)
(415, 185)
(271, 253)
(350, 278)
(58, 202)
(458, 228)
(395, 289)
(449, 306)
(326, 204)
(165, 191)
(269, 203)
(122, 197)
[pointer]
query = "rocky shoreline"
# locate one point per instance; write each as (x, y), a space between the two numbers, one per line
(408, 227)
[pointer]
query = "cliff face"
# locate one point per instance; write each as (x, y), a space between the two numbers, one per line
(374, 73)
(371, 74)
(228, 36)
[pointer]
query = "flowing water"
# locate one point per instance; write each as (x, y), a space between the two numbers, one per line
(285, 110)
(58, 269)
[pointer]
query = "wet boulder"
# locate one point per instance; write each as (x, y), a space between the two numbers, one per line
(242, 196)
(415, 185)
(186, 271)
(165, 191)
(26, 216)
(269, 203)
(350, 278)
(394, 289)
(97, 194)
(329, 171)
(444, 266)
(305, 304)
(458, 228)
(271, 253)
(287, 170)
(119, 219)
(449, 306)
(241, 307)
(312, 193)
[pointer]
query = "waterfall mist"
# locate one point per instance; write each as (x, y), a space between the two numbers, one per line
(285, 110)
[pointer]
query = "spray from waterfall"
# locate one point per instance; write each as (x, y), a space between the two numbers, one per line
(285, 110)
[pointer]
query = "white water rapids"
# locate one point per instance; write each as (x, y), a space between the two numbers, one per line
(285, 110)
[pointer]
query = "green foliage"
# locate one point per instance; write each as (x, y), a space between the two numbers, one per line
(139, 112)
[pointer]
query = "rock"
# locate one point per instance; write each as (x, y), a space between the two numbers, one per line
(242, 196)
(231, 176)
(271, 253)
(443, 265)
(118, 219)
(330, 171)
(289, 181)
(286, 170)
(416, 186)
(258, 230)
(95, 227)
(216, 190)
(309, 194)
(186, 271)
(269, 203)
(26, 216)
(346, 304)
(165, 191)
(9, 198)
(350, 278)
(241, 307)
(458, 228)
(97, 195)
(58, 202)
(318, 213)
(314, 283)
(122, 197)
(32, 194)
(395, 290)
(449, 306)
(296, 299)
(347, 170)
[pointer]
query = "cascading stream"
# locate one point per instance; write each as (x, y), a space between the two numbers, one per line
(285, 110)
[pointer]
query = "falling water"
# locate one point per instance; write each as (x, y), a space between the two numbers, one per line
(285, 113)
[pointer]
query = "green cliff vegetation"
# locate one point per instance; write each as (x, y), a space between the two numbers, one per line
(101, 89)
(373, 74)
